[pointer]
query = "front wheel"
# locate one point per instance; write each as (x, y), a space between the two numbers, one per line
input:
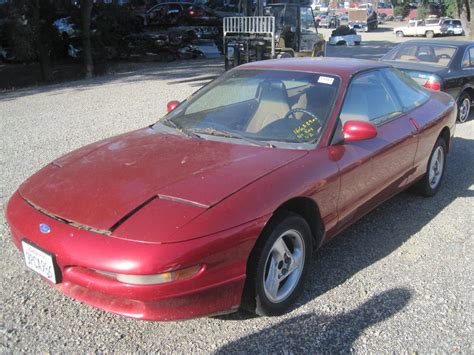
(431, 182)
(429, 34)
(464, 107)
(278, 266)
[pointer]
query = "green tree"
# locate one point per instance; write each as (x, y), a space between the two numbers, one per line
(461, 9)
(450, 8)
(422, 11)
(32, 32)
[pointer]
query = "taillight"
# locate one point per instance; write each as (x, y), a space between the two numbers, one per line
(195, 13)
(433, 85)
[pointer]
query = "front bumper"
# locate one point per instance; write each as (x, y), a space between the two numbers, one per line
(216, 289)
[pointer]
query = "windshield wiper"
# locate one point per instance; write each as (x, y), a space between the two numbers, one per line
(183, 130)
(222, 133)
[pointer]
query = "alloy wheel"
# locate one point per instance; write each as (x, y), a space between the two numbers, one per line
(464, 109)
(436, 167)
(284, 266)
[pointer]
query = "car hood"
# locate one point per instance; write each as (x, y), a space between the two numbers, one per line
(102, 184)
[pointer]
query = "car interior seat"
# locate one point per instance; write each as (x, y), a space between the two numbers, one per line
(427, 58)
(408, 58)
(272, 105)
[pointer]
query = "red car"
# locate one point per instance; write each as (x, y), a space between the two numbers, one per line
(221, 203)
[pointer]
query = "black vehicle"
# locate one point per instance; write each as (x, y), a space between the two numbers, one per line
(439, 65)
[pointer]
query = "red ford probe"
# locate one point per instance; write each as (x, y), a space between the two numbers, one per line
(221, 203)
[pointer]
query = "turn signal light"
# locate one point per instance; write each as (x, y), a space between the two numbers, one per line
(155, 279)
(433, 85)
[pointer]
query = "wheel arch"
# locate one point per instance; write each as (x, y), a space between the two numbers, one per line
(467, 89)
(309, 210)
(446, 135)
(301, 206)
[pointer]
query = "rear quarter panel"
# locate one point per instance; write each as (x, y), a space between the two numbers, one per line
(434, 116)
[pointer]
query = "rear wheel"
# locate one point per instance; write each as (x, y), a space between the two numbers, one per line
(399, 34)
(429, 34)
(464, 107)
(431, 182)
(278, 266)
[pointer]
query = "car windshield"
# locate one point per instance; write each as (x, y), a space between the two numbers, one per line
(259, 106)
(432, 54)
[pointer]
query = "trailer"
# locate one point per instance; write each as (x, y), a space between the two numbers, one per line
(364, 19)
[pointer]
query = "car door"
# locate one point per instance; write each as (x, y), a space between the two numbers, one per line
(467, 66)
(420, 28)
(374, 169)
(461, 73)
(411, 29)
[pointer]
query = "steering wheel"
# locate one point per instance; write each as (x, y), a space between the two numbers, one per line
(444, 55)
(302, 110)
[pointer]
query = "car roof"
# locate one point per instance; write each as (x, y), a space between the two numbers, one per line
(344, 67)
(439, 42)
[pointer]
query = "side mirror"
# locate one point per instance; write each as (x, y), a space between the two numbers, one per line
(172, 105)
(358, 131)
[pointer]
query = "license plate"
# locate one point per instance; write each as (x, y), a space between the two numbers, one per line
(39, 261)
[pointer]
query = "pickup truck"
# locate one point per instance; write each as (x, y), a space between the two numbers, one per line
(417, 28)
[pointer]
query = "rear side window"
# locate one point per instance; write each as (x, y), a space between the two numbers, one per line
(421, 53)
(410, 94)
(369, 98)
(468, 60)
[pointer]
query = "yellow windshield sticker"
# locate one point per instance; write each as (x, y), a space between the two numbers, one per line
(306, 131)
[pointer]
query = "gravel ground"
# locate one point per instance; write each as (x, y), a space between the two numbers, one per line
(399, 280)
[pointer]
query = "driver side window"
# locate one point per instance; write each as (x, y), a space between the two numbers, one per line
(369, 98)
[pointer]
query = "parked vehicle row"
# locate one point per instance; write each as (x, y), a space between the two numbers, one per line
(184, 14)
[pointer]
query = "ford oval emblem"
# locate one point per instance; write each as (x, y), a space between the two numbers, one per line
(44, 228)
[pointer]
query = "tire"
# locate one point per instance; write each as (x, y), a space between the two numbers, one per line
(433, 178)
(429, 34)
(464, 107)
(399, 34)
(286, 241)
